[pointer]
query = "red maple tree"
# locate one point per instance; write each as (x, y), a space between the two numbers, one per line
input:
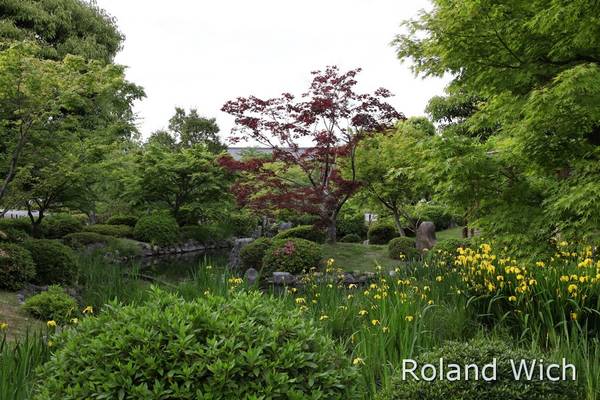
(329, 119)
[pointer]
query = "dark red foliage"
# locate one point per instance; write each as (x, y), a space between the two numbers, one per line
(316, 133)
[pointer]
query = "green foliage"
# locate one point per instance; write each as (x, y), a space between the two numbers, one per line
(450, 246)
(53, 304)
(241, 224)
(403, 248)
(480, 352)
(16, 266)
(381, 233)
(110, 230)
(79, 240)
(20, 224)
(204, 233)
(351, 238)
(351, 224)
(128, 220)
(292, 255)
(59, 225)
(438, 214)
(308, 232)
(54, 262)
(253, 253)
(13, 235)
(248, 346)
(157, 229)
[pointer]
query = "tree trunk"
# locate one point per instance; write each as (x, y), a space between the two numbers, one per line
(398, 223)
(332, 231)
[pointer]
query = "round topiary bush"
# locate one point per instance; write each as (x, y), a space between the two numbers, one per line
(82, 239)
(16, 266)
(54, 262)
(58, 225)
(351, 224)
(381, 233)
(53, 304)
(157, 229)
(351, 238)
(291, 255)
(307, 232)
(403, 248)
(253, 253)
(111, 230)
(480, 352)
(128, 220)
(249, 346)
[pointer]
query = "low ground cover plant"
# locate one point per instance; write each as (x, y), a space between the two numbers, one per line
(54, 304)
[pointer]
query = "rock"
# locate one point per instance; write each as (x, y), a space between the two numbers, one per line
(251, 276)
(235, 261)
(349, 279)
(283, 278)
(426, 236)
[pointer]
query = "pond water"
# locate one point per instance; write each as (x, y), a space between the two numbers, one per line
(179, 268)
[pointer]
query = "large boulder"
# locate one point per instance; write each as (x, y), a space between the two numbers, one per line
(235, 262)
(426, 236)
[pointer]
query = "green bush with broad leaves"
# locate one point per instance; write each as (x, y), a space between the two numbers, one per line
(351, 238)
(53, 304)
(121, 231)
(249, 346)
(307, 232)
(57, 226)
(128, 220)
(403, 248)
(16, 266)
(381, 233)
(253, 253)
(157, 229)
(54, 262)
(292, 255)
(481, 351)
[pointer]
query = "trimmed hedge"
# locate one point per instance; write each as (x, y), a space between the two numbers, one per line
(13, 235)
(82, 239)
(16, 266)
(128, 220)
(401, 248)
(53, 304)
(382, 233)
(307, 232)
(480, 352)
(292, 255)
(57, 226)
(20, 224)
(54, 262)
(248, 346)
(253, 253)
(351, 238)
(124, 231)
(157, 229)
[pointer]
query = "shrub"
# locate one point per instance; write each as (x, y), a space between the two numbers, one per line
(253, 253)
(403, 248)
(351, 238)
(157, 229)
(110, 230)
(54, 262)
(82, 239)
(307, 232)
(16, 266)
(53, 304)
(291, 255)
(203, 233)
(435, 213)
(13, 235)
(58, 225)
(242, 224)
(20, 224)
(449, 246)
(351, 224)
(249, 346)
(382, 233)
(480, 352)
(128, 220)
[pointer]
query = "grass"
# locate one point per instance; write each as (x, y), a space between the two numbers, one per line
(11, 313)
(359, 257)
(452, 233)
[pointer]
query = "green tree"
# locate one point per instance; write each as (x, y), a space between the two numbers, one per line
(61, 27)
(393, 171)
(537, 65)
(191, 129)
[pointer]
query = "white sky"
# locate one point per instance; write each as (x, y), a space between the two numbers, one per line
(193, 53)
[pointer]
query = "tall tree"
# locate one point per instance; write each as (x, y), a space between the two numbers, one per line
(311, 135)
(537, 64)
(191, 129)
(61, 27)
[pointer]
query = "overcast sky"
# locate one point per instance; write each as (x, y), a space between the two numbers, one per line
(199, 54)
